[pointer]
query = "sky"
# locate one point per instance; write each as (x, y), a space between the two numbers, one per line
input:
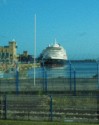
(73, 23)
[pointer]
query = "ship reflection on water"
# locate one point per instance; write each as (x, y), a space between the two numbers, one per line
(51, 72)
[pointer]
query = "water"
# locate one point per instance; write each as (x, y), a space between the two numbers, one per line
(85, 69)
(1, 74)
(81, 69)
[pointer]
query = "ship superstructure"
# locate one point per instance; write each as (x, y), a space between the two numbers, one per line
(54, 55)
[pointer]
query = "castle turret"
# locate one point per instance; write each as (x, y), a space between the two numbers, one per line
(12, 50)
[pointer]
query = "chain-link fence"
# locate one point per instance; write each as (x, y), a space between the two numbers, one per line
(75, 77)
(50, 108)
(73, 90)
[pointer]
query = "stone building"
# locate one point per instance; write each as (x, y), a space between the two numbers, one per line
(25, 57)
(8, 53)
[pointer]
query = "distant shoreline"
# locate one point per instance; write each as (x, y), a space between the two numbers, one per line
(21, 66)
(25, 66)
(85, 60)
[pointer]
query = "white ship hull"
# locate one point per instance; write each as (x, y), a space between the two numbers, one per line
(54, 55)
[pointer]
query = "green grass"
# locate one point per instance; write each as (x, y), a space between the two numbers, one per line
(11, 122)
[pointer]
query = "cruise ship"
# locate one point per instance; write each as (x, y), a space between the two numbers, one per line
(54, 55)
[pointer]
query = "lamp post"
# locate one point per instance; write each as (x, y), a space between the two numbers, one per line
(34, 47)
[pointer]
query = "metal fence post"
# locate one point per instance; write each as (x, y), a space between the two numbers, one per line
(98, 106)
(46, 82)
(74, 83)
(97, 91)
(70, 70)
(43, 73)
(51, 108)
(5, 108)
(17, 80)
(97, 75)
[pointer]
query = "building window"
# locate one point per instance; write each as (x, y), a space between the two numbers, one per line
(7, 55)
(2, 55)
